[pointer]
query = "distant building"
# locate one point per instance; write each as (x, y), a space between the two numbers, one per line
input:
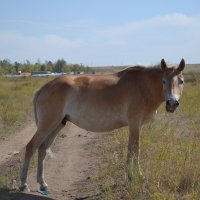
(18, 74)
(34, 74)
(75, 72)
(40, 73)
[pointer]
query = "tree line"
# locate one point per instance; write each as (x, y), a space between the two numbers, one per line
(7, 67)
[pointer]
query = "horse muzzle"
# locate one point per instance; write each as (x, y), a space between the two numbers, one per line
(171, 105)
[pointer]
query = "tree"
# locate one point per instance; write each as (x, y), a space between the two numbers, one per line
(60, 65)
(42, 67)
(49, 66)
(6, 66)
(16, 66)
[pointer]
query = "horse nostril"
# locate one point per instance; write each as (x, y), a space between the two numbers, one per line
(168, 102)
(172, 103)
(177, 103)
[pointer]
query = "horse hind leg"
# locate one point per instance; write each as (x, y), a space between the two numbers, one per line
(42, 154)
(39, 137)
(31, 147)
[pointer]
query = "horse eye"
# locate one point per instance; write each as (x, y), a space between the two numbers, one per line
(163, 82)
(181, 82)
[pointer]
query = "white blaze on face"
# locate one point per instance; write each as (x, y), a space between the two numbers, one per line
(173, 90)
(173, 97)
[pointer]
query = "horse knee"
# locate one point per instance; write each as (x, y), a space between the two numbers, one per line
(29, 150)
(34, 144)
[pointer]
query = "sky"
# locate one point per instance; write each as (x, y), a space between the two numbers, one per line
(100, 32)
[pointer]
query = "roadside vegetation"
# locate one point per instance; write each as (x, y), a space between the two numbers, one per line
(7, 67)
(16, 101)
(170, 149)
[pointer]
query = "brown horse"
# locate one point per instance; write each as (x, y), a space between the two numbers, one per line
(101, 103)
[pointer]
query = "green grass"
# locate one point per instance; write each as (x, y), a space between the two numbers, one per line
(16, 101)
(169, 160)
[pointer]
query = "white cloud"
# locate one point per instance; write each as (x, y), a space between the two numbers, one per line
(56, 41)
(169, 21)
(171, 36)
(17, 46)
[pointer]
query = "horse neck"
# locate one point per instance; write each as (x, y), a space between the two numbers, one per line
(155, 87)
(150, 84)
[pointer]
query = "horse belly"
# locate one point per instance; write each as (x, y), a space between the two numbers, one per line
(96, 119)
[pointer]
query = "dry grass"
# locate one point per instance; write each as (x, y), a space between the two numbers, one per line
(190, 68)
(16, 101)
(170, 148)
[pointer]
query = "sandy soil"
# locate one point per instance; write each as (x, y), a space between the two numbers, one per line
(68, 169)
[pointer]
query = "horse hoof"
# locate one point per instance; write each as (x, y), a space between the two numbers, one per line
(44, 190)
(24, 188)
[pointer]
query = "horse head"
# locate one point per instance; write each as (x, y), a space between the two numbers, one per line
(172, 84)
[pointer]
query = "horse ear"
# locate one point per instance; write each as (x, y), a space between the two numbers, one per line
(181, 65)
(163, 65)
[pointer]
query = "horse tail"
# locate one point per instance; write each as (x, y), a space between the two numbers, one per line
(35, 97)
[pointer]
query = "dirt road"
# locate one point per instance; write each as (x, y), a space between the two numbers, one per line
(68, 169)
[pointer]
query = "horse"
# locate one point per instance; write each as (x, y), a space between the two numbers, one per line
(101, 103)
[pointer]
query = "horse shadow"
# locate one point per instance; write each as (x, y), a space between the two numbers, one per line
(11, 195)
(14, 195)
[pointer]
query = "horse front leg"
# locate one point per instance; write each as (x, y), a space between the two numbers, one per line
(133, 149)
